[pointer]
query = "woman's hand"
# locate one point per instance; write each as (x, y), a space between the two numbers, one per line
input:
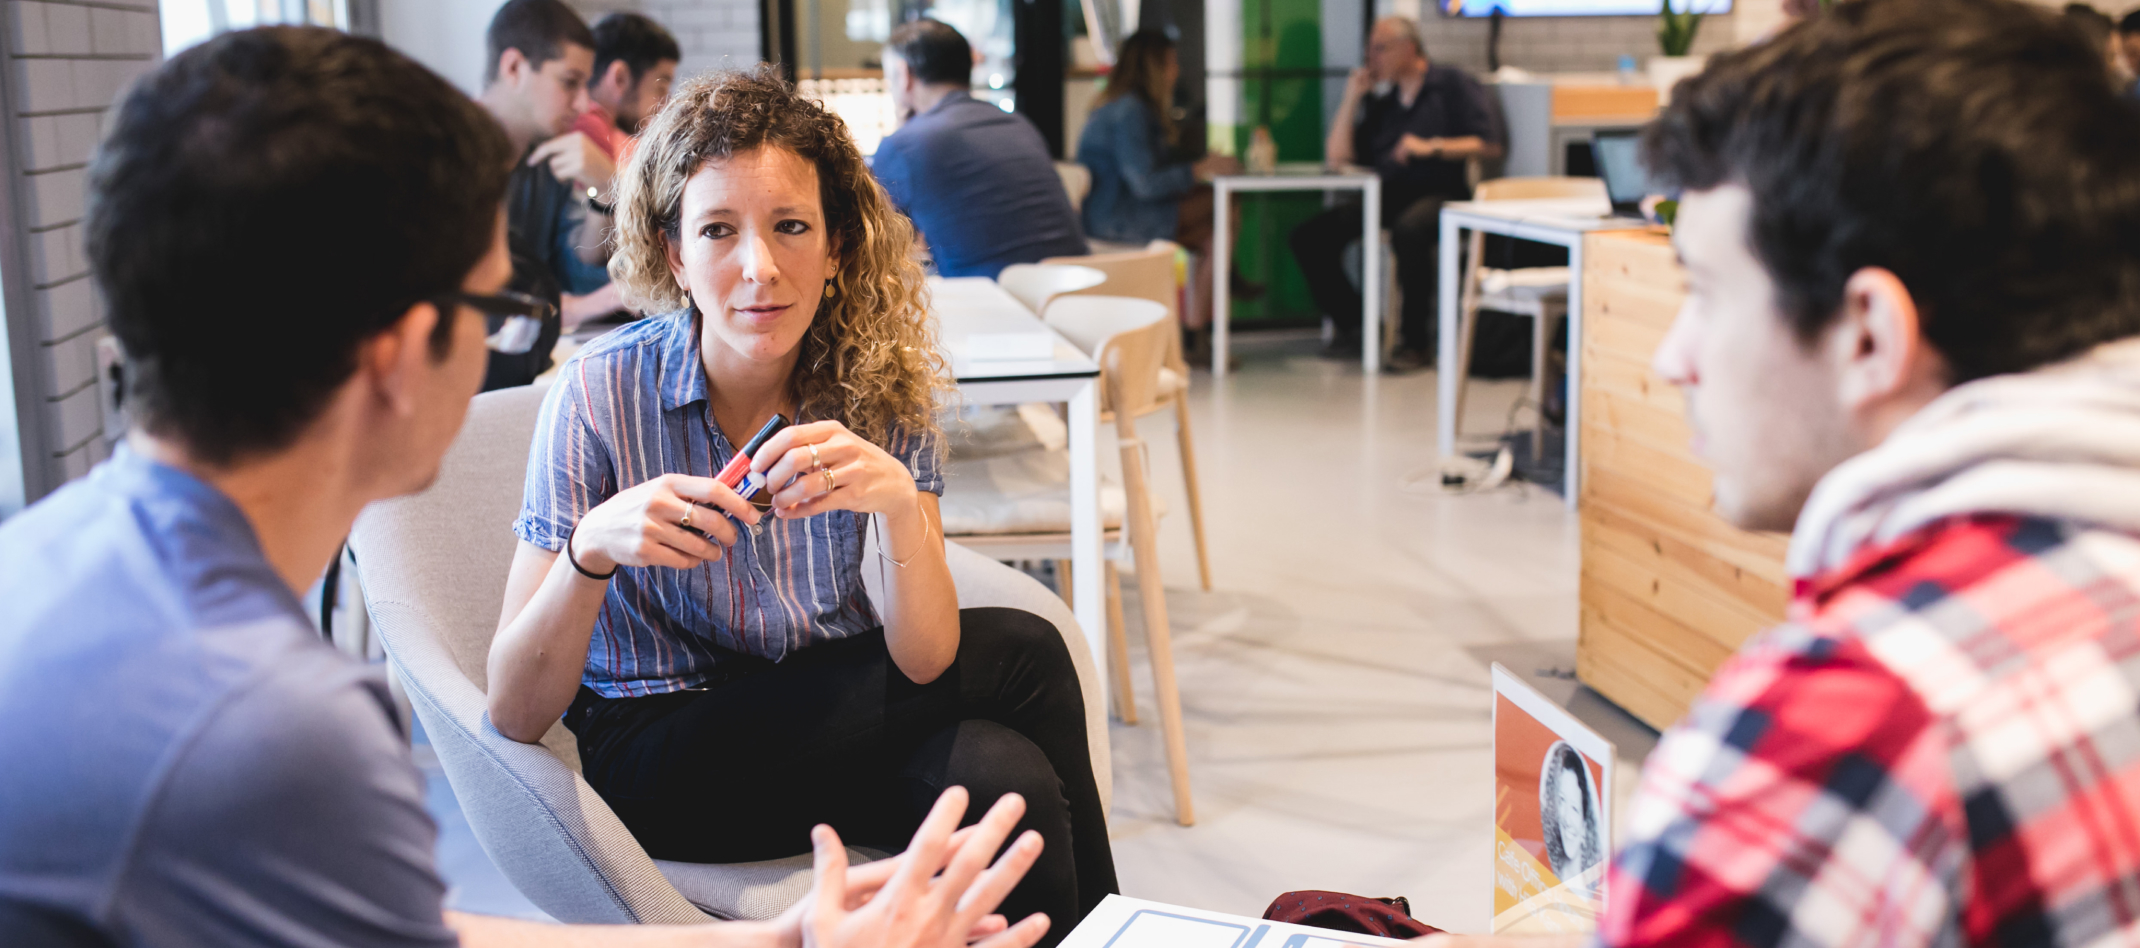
(674, 520)
(832, 468)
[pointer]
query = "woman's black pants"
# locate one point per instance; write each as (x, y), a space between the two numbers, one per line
(741, 770)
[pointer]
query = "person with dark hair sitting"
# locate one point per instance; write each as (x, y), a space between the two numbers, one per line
(977, 181)
(634, 66)
(559, 207)
(1911, 337)
(1140, 191)
(187, 763)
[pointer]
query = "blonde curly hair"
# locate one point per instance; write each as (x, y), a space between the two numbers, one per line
(869, 359)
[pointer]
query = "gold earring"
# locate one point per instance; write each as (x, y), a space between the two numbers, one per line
(829, 291)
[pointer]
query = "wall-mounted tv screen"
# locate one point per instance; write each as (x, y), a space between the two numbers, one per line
(1575, 7)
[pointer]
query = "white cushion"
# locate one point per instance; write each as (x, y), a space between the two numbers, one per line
(1004, 478)
(1017, 492)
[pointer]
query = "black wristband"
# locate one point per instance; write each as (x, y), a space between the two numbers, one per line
(575, 561)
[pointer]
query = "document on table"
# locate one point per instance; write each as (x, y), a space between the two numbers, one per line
(1122, 922)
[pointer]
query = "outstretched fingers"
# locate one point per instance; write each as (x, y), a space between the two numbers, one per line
(989, 834)
(829, 860)
(931, 845)
(993, 886)
(1022, 935)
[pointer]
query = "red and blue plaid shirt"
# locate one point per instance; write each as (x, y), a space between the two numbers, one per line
(1942, 747)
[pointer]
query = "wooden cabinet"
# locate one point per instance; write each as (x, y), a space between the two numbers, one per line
(1669, 589)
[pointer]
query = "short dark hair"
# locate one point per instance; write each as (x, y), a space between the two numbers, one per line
(636, 40)
(538, 29)
(2095, 25)
(2130, 23)
(1971, 147)
(263, 203)
(934, 52)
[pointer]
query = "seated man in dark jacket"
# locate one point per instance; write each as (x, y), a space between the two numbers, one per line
(1415, 123)
(978, 181)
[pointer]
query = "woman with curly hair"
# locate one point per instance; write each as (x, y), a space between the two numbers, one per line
(730, 683)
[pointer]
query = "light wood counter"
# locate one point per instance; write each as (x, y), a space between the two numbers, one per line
(1669, 589)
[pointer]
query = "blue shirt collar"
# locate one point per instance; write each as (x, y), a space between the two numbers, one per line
(683, 380)
(950, 99)
(209, 544)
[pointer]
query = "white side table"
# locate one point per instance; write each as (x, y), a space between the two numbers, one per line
(1299, 178)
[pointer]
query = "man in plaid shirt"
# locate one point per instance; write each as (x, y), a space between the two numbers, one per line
(1911, 231)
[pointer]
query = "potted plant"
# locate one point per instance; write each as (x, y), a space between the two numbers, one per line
(1675, 38)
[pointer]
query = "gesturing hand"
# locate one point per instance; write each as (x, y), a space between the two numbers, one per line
(575, 157)
(917, 907)
(832, 468)
(660, 523)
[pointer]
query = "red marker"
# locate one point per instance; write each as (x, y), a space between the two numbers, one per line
(738, 470)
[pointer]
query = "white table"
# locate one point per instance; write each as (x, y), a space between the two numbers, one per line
(964, 306)
(1299, 178)
(1552, 221)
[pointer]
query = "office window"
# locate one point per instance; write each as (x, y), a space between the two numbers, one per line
(186, 22)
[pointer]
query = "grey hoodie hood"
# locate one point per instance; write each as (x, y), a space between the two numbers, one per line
(2061, 442)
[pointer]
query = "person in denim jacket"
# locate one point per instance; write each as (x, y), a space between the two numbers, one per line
(1137, 195)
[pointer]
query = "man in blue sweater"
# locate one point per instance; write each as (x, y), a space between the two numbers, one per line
(978, 181)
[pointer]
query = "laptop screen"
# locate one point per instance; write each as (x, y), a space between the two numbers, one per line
(1619, 162)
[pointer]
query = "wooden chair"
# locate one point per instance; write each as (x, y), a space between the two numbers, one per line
(1035, 284)
(1149, 274)
(1009, 499)
(1077, 182)
(1538, 292)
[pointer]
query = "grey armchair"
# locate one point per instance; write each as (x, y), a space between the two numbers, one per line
(434, 567)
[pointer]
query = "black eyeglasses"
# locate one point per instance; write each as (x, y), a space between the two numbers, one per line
(522, 317)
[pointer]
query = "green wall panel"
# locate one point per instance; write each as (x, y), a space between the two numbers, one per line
(1281, 88)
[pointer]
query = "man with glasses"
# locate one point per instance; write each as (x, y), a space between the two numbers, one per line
(183, 762)
(1415, 123)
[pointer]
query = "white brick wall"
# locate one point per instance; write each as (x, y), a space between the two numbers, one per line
(68, 62)
(1564, 44)
(712, 33)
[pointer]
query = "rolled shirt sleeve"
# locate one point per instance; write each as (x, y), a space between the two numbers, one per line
(569, 469)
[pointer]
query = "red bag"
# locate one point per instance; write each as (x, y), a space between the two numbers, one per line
(1336, 911)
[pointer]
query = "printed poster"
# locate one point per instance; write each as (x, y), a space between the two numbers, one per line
(1551, 814)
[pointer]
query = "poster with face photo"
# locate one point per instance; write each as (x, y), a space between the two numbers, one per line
(1552, 819)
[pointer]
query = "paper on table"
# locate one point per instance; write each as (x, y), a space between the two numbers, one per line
(1122, 922)
(1010, 346)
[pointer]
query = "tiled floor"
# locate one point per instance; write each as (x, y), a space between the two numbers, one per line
(1336, 705)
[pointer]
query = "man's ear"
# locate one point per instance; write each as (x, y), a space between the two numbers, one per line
(1877, 345)
(511, 63)
(392, 362)
(617, 78)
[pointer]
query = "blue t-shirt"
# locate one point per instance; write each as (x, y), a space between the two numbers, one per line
(182, 760)
(981, 187)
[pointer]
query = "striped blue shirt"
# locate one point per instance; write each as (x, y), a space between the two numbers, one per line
(630, 407)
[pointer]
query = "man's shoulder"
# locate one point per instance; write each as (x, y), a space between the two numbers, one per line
(1970, 608)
